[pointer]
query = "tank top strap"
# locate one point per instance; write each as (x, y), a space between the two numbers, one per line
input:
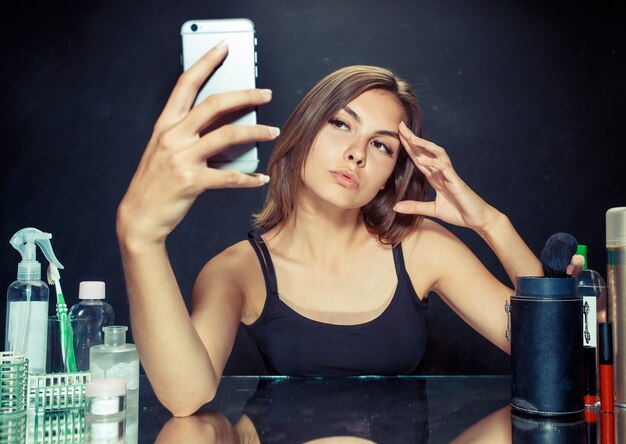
(263, 254)
(398, 260)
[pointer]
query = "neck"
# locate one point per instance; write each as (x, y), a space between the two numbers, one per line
(321, 234)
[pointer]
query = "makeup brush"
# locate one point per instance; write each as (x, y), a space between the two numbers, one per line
(557, 255)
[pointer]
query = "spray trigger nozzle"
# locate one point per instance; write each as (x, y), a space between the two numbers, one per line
(25, 241)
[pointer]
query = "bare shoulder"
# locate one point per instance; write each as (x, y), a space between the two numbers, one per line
(229, 265)
(233, 277)
(430, 252)
(433, 239)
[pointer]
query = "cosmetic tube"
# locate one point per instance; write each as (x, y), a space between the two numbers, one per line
(616, 283)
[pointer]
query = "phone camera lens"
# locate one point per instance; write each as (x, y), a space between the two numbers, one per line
(194, 27)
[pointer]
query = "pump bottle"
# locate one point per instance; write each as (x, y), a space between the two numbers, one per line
(27, 300)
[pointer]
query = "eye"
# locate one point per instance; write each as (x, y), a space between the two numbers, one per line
(339, 124)
(382, 147)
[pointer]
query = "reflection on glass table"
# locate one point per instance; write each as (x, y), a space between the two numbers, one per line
(69, 426)
(420, 409)
(372, 409)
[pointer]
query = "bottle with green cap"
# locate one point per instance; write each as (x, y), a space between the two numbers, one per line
(591, 284)
(592, 288)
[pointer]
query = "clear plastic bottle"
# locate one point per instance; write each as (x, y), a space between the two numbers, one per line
(27, 300)
(88, 317)
(119, 360)
(27, 321)
(592, 288)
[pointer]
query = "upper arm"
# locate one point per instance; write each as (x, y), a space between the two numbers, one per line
(217, 305)
(463, 282)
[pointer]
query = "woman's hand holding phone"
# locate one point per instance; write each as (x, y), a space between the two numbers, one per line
(173, 170)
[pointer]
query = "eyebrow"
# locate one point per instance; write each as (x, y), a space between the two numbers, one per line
(358, 119)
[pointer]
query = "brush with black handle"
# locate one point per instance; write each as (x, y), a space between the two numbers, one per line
(559, 258)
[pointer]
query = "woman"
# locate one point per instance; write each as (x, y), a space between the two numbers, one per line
(336, 283)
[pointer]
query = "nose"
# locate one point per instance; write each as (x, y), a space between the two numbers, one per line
(356, 155)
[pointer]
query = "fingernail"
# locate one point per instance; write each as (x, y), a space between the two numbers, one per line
(263, 178)
(221, 45)
(266, 93)
(274, 131)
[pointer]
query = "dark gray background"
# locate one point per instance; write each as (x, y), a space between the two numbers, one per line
(527, 97)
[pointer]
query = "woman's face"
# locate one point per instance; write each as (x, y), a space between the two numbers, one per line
(355, 151)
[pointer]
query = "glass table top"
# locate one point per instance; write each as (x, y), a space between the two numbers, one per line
(366, 409)
(266, 409)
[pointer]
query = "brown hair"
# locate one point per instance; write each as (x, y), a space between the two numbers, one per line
(331, 94)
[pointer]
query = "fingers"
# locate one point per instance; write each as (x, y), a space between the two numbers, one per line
(189, 83)
(214, 179)
(427, 156)
(415, 207)
(424, 162)
(576, 265)
(214, 106)
(418, 146)
(229, 135)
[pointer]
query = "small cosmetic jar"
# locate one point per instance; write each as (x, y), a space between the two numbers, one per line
(105, 397)
(105, 411)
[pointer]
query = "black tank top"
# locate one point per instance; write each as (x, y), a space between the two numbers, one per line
(291, 344)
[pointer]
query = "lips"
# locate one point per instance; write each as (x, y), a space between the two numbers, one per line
(346, 178)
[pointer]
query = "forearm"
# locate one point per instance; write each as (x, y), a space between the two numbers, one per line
(172, 353)
(515, 256)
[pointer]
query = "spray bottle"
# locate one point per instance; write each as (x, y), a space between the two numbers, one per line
(27, 299)
(616, 279)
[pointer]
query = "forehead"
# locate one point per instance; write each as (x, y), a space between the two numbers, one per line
(378, 106)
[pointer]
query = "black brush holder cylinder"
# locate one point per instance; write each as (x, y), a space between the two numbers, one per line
(546, 347)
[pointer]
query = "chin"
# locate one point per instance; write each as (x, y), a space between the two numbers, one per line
(348, 202)
(338, 196)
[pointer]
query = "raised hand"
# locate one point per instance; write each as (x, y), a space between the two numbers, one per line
(173, 170)
(455, 202)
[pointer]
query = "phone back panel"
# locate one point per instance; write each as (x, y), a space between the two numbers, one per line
(237, 72)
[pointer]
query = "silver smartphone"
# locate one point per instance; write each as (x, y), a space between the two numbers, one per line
(238, 71)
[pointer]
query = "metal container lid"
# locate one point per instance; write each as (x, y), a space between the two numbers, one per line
(545, 287)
